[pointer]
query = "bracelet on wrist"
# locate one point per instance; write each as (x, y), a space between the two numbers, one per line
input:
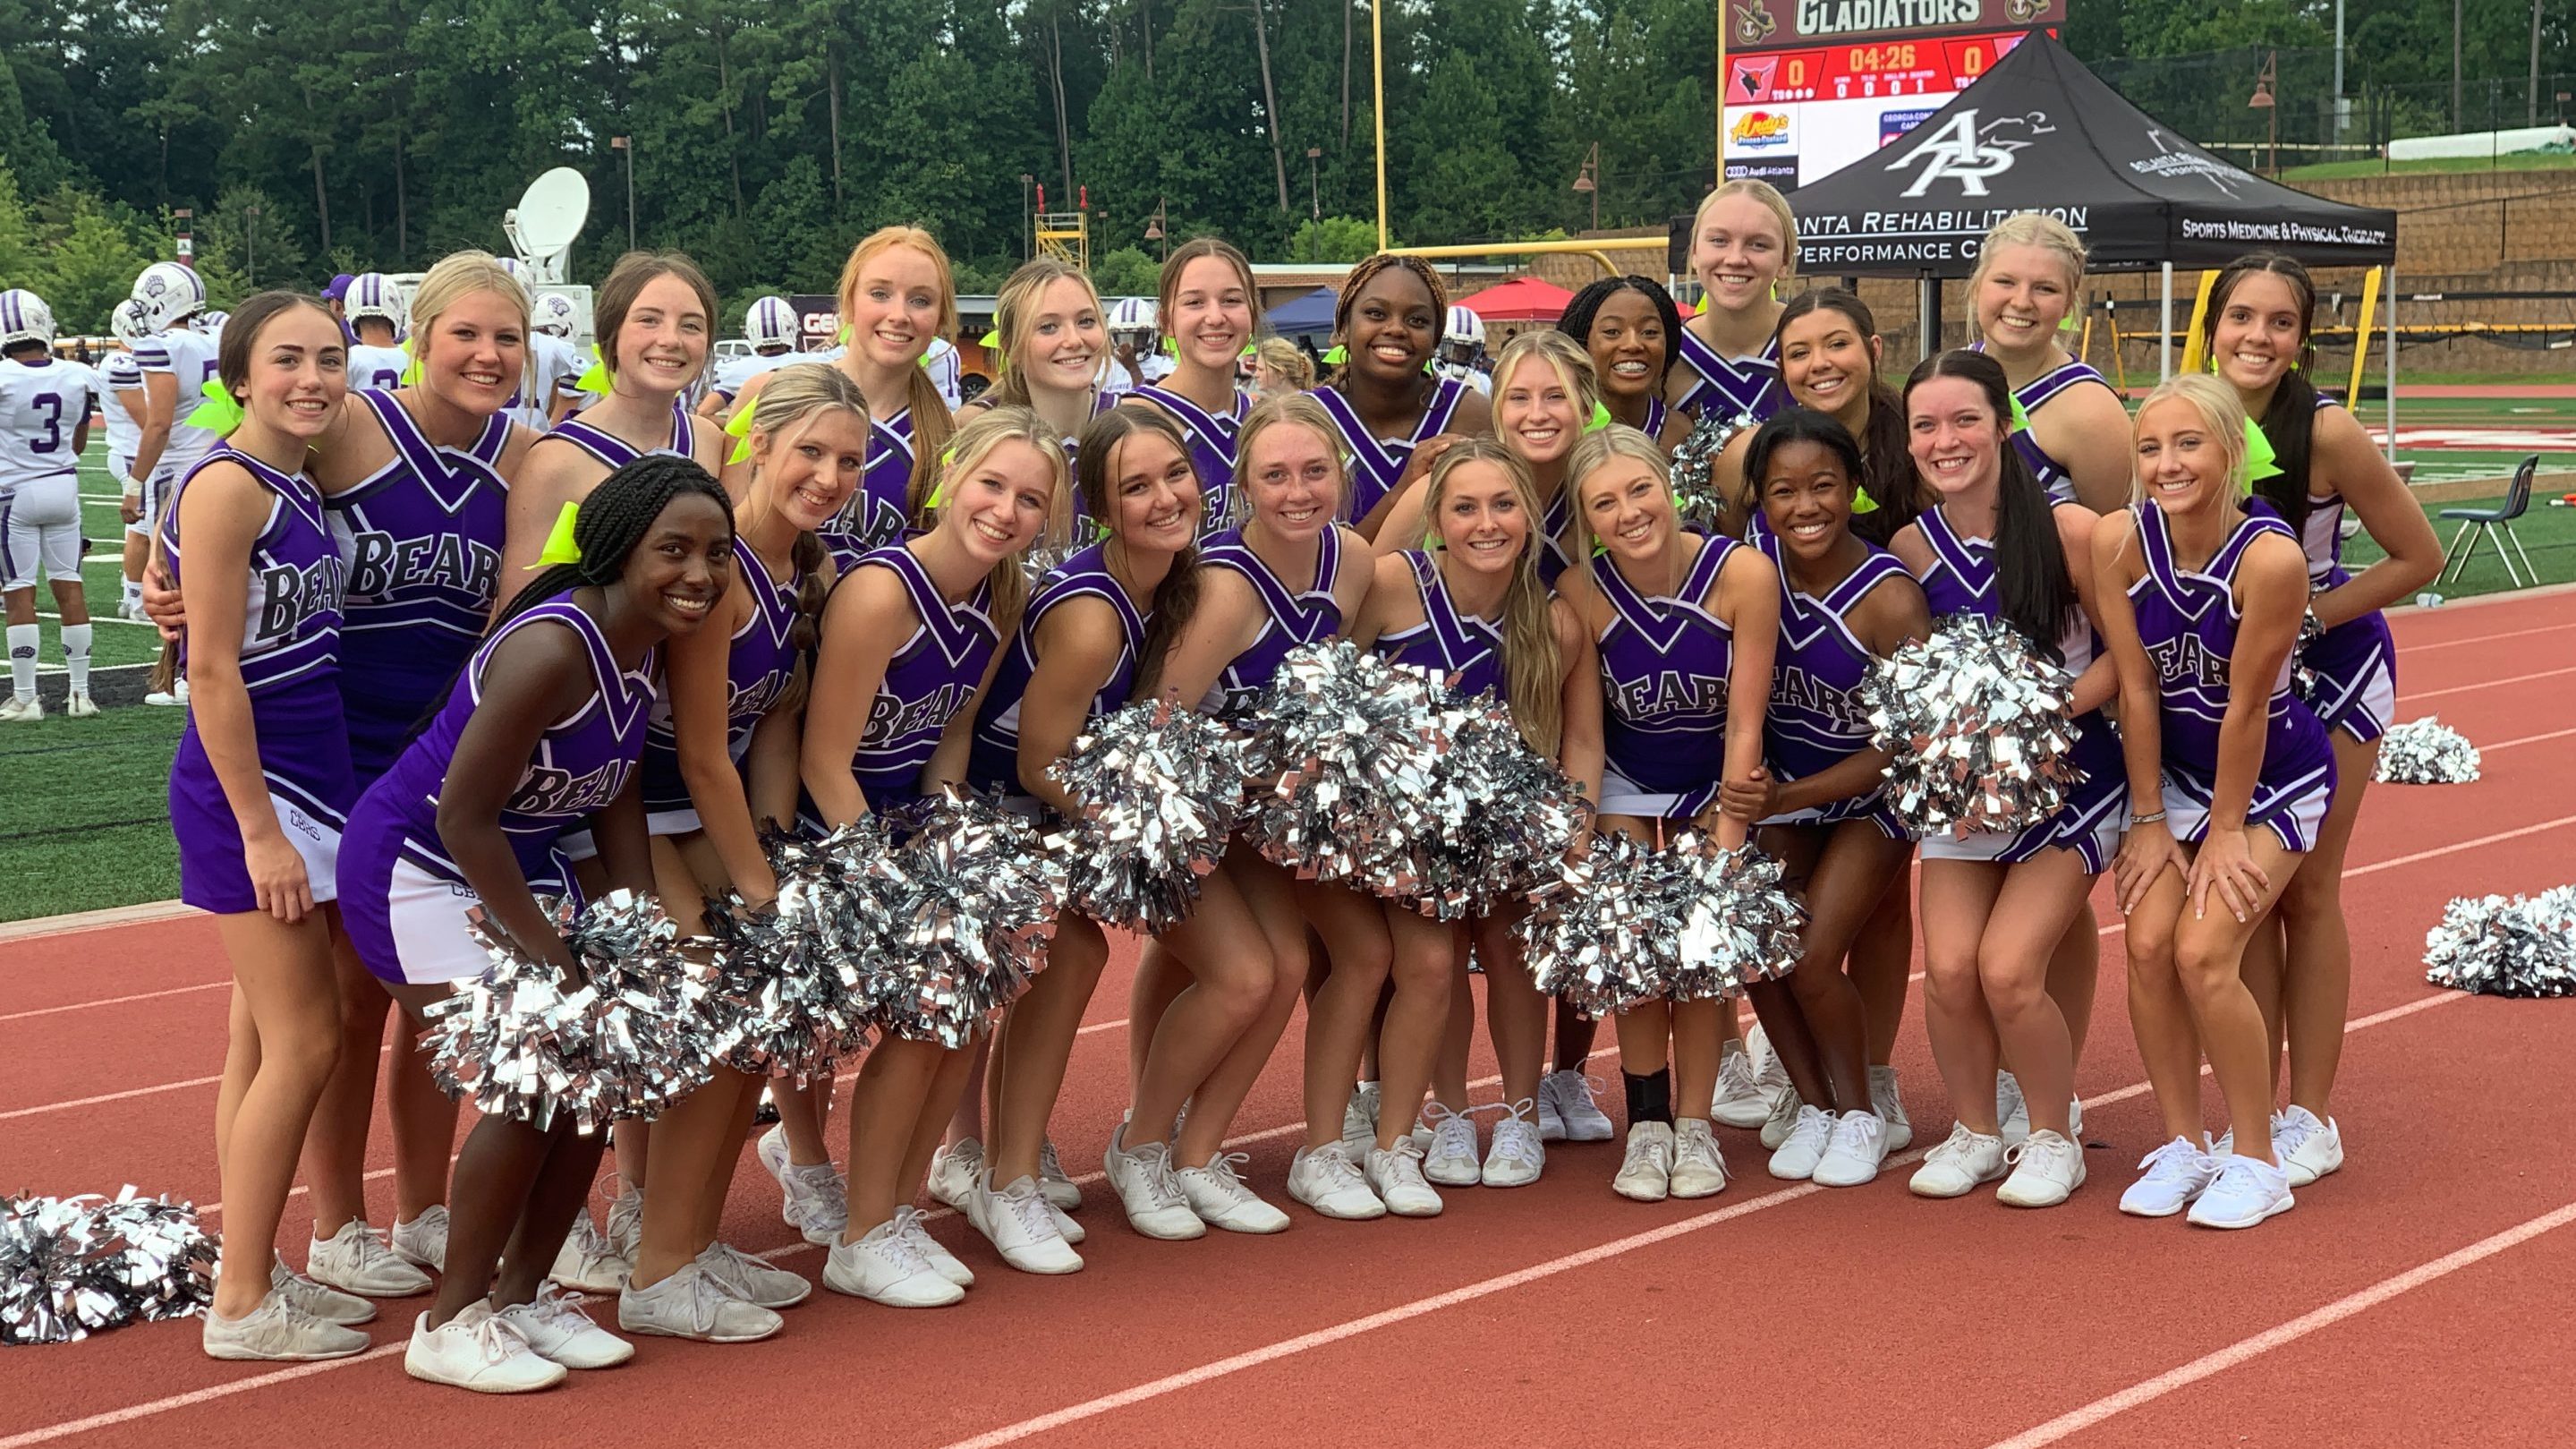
(2153, 817)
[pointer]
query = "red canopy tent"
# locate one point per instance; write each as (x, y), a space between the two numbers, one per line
(1522, 299)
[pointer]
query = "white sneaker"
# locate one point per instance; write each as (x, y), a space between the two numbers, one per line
(1890, 1107)
(79, 707)
(914, 1229)
(815, 1202)
(1451, 1159)
(2012, 1110)
(478, 1350)
(1323, 1179)
(1061, 1191)
(1739, 1102)
(2244, 1192)
(691, 1305)
(1222, 1199)
(1143, 1181)
(2047, 1168)
(356, 1260)
(625, 1225)
(422, 1242)
(130, 609)
(1519, 1152)
(278, 1331)
(2177, 1172)
(1856, 1151)
(771, 1149)
(1769, 1072)
(1065, 1226)
(747, 1278)
(2306, 1148)
(557, 1329)
(328, 1304)
(1963, 1162)
(176, 696)
(1776, 1128)
(1699, 1170)
(1646, 1172)
(1579, 1116)
(586, 1263)
(1359, 1120)
(32, 711)
(1017, 1223)
(886, 1267)
(1809, 1135)
(954, 1171)
(1395, 1175)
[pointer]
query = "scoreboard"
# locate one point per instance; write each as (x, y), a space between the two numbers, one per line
(1796, 115)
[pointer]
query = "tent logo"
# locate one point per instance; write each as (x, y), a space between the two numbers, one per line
(1969, 154)
(2168, 161)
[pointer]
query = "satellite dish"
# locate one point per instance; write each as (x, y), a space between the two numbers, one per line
(541, 229)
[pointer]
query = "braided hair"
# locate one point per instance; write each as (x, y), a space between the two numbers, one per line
(1367, 272)
(1585, 309)
(613, 520)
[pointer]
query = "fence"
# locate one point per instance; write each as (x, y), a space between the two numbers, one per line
(2205, 96)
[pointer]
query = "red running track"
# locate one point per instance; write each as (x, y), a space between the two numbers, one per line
(2413, 1298)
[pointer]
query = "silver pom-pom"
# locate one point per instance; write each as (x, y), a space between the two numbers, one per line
(970, 899)
(1688, 922)
(1356, 745)
(1161, 788)
(787, 984)
(1503, 818)
(1591, 938)
(626, 1033)
(1731, 923)
(1977, 726)
(1695, 496)
(71, 1267)
(2426, 752)
(2525, 946)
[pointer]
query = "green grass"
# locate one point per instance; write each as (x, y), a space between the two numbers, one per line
(2519, 161)
(2548, 535)
(89, 826)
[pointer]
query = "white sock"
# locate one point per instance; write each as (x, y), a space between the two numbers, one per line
(133, 591)
(76, 654)
(22, 660)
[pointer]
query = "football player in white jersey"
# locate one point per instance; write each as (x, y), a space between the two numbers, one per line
(44, 425)
(126, 407)
(947, 371)
(546, 392)
(1462, 351)
(376, 313)
(1131, 341)
(771, 327)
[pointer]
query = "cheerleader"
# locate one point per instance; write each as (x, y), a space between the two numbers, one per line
(1685, 627)
(2024, 294)
(720, 756)
(1210, 1008)
(45, 405)
(1470, 608)
(1282, 368)
(2257, 330)
(656, 319)
(897, 297)
(540, 733)
(1054, 347)
(1744, 244)
(2228, 787)
(1206, 305)
(1844, 604)
(1093, 637)
(1994, 906)
(1383, 401)
(1630, 327)
(909, 638)
(258, 793)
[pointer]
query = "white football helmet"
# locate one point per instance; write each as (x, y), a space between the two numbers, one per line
(555, 315)
(170, 294)
(1131, 320)
(212, 323)
(24, 317)
(770, 323)
(372, 294)
(128, 322)
(1464, 336)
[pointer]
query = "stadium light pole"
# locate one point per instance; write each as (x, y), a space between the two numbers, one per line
(1377, 64)
(1587, 181)
(624, 145)
(250, 245)
(2264, 101)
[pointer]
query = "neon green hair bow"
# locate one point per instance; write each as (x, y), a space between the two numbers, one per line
(2260, 461)
(411, 365)
(1861, 501)
(1336, 355)
(1600, 418)
(939, 495)
(560, 547)
(596, 379)
(738, 427)
(2020, 417)
(220, 413)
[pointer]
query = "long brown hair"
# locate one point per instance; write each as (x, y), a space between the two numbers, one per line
(1176, 598)
(1532, 672)
(626, 282)
(793, 396)
(2289, 423)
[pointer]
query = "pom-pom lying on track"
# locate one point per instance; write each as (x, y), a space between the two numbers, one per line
(2525, 946)
(71, 1267)
(1978, 729)
(625, 1033)
(1688, 922)
(2426, 752)
(1161, 787)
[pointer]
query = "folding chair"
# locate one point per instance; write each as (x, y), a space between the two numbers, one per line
(2492, 521)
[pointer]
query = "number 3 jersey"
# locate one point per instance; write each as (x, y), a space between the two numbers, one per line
(41, 405)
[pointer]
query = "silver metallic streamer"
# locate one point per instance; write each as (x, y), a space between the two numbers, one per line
(787, 984)
(1501, 817)
(71, 1267)
(1687, 922)
(2426, 752)
(1162, 786)
(1732, 925)
(1591, 938)
(969, 900)
(1977, 726)
(1355, 744)
(1695, 495)
(2524, 946)
(627, 1033)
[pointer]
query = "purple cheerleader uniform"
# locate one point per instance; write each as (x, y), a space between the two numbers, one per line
(2035, 395)
(2351, 669)
(2188, 623)
(421, 538)
(1962, 579)
(1816, 718)
(927, 681)
(1747, 387)
(876, 515)
(1215, 446)
(993, 761)
(759, 667)
(1665, 661)
(290, 669)
(1465, 650)
(615, 452)
(1376, 463)
(1295, 618)
(403, 900)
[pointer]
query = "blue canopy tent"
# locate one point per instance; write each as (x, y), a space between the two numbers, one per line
(1308, 316)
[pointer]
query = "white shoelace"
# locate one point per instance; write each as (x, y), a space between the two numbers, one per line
(1152, 1168)
(2289, 1134)
(1338, 1170)
(556, 1309)
(1645, 1151)
(369, 1247)
(498, 1340)
(2050, 1150)
(1453, 1134)
(1224, 1173)
(900, 1245)
(1852, 1132)
(1030, 1210)
(2177, 1158)
(1813, 1131)
(1735, 1075)
(1574, 1089)
(1516, 1140)
(1955, 1148)
(594, 1248)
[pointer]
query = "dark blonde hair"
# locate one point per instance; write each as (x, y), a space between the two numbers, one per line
(795, 395)
(1015, 313)
(627, 281)
(1296, 409)
(1531, 668)
(1596, 450)
(968, 448)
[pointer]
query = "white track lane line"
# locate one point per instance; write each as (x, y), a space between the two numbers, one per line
(2211, 1364)
(114, 1000)
(2486, 684)
(2485, 638)
(114, 1417)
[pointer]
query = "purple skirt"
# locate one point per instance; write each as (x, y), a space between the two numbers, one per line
(304, 757)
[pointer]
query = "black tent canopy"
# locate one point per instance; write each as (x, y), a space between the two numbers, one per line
(2039, 132)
